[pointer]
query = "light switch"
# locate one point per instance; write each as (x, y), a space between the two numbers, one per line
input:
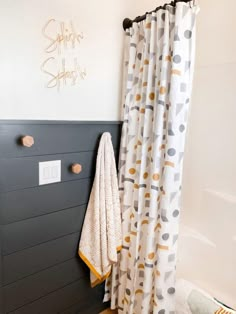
(49, 172)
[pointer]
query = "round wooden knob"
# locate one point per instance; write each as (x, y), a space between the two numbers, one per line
(76, 168)
(27, 141)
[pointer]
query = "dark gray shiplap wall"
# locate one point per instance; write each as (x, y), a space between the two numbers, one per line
(40, 272)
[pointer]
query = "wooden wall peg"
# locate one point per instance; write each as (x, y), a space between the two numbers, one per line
(76, 168)
(27, 141)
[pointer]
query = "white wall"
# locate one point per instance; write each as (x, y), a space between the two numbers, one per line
(209, 200)
(23, 94)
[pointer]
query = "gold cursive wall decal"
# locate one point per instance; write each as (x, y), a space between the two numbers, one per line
(62, 67)
(68, 37)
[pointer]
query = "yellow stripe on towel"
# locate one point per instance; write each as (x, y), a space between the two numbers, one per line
(222, 311)
(100, 278)
(90, 266)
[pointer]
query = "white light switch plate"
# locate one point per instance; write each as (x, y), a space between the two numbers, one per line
(49, 172)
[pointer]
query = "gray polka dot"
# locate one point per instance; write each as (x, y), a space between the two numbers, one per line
(165, 236)
(163, 16)
(171, 290)
(176, 213)
(177, 59)
(128, 291)
(182, 128)
(188, 34)
(139, 56)
(171, 152)
(161, 312)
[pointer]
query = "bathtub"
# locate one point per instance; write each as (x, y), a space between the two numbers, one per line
(207, 247)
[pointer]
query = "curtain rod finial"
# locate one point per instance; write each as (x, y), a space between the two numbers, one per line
(127, 23)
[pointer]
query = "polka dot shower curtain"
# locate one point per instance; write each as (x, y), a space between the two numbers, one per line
(159, 72)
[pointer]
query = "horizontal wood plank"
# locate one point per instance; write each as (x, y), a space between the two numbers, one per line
(85, 306)
(57, 301)
(22, 173)
(36, 286)
(29, 261)
(54, 138)
(30, 232)
(28, 203)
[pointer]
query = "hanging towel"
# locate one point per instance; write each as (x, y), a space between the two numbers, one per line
(101, 234)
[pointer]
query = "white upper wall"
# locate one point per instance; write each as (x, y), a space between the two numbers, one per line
(23, 94)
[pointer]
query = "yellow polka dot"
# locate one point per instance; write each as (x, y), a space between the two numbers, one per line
(147, 195)
(149, 148)
(145, 175)
(156, 176)
(152, 96)
(162, 90)
(141, 69)
(139, 248)
(151, 255)
(127, 239)
(142, 110)
(159, 83)
(136, 186)
(132, 171)
(138, 97)
(146, 61)
(133, 66)
(144, 84)
(138, 162)
(139, 143)
(148, 25)
(168, 58)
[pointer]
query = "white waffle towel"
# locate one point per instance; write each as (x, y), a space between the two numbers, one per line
(101, 235)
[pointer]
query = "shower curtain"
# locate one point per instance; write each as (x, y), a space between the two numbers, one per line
(159, 69)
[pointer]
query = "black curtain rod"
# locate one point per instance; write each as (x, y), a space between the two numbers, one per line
(127, 23)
